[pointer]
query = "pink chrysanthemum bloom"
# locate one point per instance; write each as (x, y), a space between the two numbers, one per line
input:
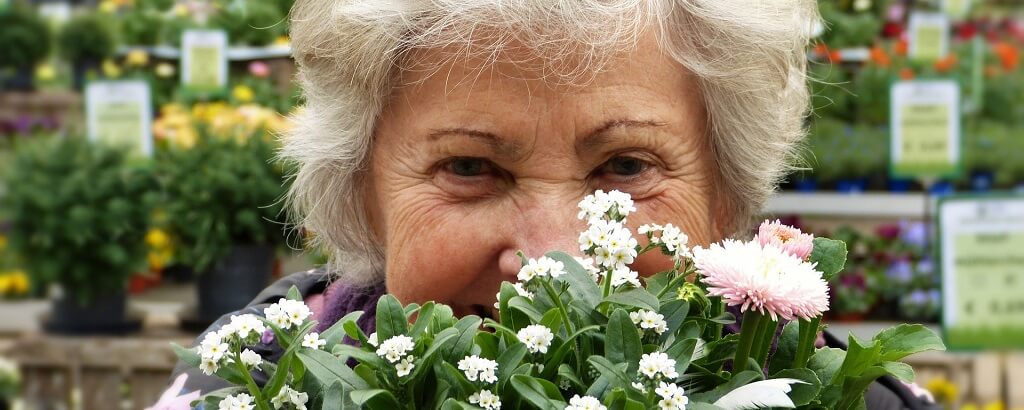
(762, 278)
(791, 240)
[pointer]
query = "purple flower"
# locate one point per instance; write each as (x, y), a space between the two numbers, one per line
(888, 231)
(900, 271)
(914, 233)
(267, 337)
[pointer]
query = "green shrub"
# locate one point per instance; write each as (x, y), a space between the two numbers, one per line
(843, 151)
(78, 212)
(141, 26)
(24, 38)
(254, 23)
(88, 37)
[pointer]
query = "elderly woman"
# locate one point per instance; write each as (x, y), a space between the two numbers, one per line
(441, 137)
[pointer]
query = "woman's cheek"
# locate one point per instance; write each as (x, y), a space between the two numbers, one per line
(437, 254)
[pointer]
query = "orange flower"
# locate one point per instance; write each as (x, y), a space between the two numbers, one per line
(946, 64)
(991, 71)
(835, 56)
(901, 47)
(878, 56)
(906, 74)
(1008, 55)
(820, 50)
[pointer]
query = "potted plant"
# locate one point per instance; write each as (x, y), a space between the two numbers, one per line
(78, 213)
(222, 208)
(85, 41)
(24, 42)
(251, 23)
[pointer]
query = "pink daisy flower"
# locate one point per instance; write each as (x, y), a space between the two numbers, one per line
(762, 278)
(791, 240)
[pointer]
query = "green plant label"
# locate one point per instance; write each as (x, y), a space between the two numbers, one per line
(120, 113)
(204, 60)
(956, 9)
(925, 129)
(982, 271)
(929, 36)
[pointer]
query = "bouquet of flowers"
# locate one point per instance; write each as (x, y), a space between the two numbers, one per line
(577, 333)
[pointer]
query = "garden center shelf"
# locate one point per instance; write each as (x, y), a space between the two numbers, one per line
(871, 205)
(238, 53)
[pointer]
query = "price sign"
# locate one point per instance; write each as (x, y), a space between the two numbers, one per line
(204, 60)
(956, 9)
(120, 113)
(982, 265)
(929, 36)
(925, 129)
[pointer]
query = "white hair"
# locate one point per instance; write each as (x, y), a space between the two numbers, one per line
(747, 55)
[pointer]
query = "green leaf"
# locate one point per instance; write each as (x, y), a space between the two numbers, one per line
(622, 341)
(826, 363)
(188, 356)
(540, 393)
(582, 287)
(368, 374)
(336, 333)
(638, 298)
(354, 332)
(829, 255)
(324, 368)
(682, 353)
(802, 393)
(343, 352)
(786, 350)
(509, 359)
(859, 357)
(675, 312)
(616, 373)
(701, 406)
(904, 340)
(423, 318)
(452, 404)
(467, 327)
(552, 319)
(391, 319)
(375, 399)
(524, 305)
(568, 373)
(334, 397)
(559, 354)
(293, 294)
(899, 370)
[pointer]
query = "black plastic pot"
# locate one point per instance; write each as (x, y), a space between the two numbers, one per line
(80, 71)
(21, 79)
(104, 314)
(234, 281)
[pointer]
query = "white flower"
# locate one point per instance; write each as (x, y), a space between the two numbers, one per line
(649, 228)
(208, 366)
(588, 265)
(601, 204)
(478, 368)
(675, 241)
(542, 267)
(240, 401)
(672, 396)
(657, 363)
(213, 347)
(623, 275)
(288, 395)
(536, 337)
(649, 320)
(244, 325)
(287, 313)
(395, 348)
(639, 386)
(372, 339)
(405, 366)
(609, 242)
(251, 358)
(312, 340)
(486, 399)
(584, 403)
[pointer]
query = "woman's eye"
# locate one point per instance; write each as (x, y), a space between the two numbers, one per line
(469, 167)
(624, 166)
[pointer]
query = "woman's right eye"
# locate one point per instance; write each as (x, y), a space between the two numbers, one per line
(469, 166)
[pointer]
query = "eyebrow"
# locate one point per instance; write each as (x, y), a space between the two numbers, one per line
(511, 149)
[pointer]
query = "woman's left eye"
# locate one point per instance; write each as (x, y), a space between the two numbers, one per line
(624, 166)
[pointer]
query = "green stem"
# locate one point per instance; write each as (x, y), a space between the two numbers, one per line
(561, 307)
(808, 334)
(764, 340)
(748, 333)
(251, 384)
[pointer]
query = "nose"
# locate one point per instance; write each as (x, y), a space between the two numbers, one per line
(542, 226)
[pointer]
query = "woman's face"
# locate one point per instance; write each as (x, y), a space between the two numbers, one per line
(471, 165)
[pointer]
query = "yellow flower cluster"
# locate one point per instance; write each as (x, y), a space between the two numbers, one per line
(943, 390)
(160, 248)
(13, 283)
(179, 126)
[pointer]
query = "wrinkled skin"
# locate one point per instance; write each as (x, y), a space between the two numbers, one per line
(474, 162)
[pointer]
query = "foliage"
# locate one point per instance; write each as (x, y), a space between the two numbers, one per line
(85, 230)
(565, 330)
(24, 38)
(848, 28)
(141, 26)
(844, 151)
(830, 96)
(251, 23)
(87, 37)
(222, 192)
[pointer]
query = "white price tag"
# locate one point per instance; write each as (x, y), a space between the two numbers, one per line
(204, 64)
(925, 129)
(120, 113)
(929, 36)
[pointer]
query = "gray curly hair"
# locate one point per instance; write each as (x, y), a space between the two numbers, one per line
(748, 56)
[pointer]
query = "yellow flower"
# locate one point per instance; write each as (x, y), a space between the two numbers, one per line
(165, 70)
(186, 138)
(242, 94)
(157, 239)
(110, 69)
(969, 406)
(943, 390)
(995, 405)
(5, 284)
(172, 108)
(282, 41)
(137, 58)
(45, 72)
(108, 6)
(158, 259)
(18, 282)
(180, 10)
